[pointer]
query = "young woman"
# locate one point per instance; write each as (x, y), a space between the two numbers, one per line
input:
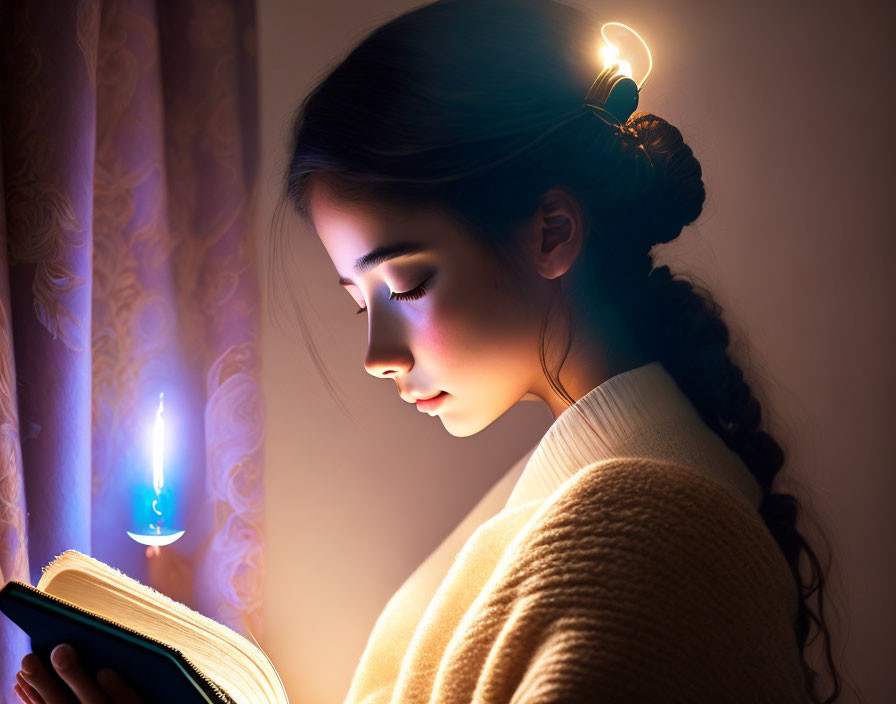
(497, 232)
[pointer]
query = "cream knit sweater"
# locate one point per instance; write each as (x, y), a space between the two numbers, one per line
(621, 560)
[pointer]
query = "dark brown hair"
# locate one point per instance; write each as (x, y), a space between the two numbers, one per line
(474, 108)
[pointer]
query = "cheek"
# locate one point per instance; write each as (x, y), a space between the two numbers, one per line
(466, 327)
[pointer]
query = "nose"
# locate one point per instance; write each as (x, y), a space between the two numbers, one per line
(387, 363)
(387, 354)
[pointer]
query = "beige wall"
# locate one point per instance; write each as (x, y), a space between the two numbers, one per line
(790, 112)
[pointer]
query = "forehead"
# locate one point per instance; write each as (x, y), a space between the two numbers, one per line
(350, 230)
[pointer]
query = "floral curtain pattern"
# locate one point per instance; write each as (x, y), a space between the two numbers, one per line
(128, 166)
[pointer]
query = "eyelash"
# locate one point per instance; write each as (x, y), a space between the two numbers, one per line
(411, 295)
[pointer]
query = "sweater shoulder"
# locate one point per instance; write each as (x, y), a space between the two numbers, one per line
(653, 485)
(650, 581)
(650, 515)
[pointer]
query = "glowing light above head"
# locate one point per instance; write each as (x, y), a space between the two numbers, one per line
(158, 448)
(609, 53)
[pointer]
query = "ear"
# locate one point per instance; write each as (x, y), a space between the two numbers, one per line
(557, 231)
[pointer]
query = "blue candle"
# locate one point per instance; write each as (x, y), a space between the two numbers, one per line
(157, 532)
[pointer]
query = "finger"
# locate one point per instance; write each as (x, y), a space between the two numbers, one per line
(116, 688)
(68, 665)
(21, 689)
(30, 695)
(152, 551)
(42, 681)
(21, 695)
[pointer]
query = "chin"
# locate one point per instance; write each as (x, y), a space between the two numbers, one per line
(463, 426)
(460, 430)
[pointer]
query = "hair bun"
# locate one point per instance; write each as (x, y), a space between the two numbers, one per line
(677, 195)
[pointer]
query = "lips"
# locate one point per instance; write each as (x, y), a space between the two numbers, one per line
(431, 404)
(412, 397)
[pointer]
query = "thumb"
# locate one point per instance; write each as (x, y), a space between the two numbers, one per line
(152, 551)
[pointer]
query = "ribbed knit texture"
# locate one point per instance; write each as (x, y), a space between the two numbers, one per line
(638, 413)
(606, 573)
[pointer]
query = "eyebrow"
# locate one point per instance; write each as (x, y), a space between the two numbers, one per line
(375, 257)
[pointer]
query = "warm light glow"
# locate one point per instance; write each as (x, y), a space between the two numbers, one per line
(609, 53)
(158, 448)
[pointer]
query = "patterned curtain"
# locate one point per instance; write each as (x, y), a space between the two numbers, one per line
(128, 175)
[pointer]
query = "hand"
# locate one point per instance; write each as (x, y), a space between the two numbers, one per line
(170, 573)
(35, 685)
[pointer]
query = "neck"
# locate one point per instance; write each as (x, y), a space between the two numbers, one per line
(589, 363)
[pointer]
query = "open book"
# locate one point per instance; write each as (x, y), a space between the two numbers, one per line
(166, 651)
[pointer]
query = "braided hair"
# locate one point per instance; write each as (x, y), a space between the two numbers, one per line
(682, 325)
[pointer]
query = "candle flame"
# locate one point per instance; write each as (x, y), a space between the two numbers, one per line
(158, 449)
(158, 533)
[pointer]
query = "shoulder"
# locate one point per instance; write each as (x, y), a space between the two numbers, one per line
(652, 533)
(656, 500)
(659, 584)
(648, 480)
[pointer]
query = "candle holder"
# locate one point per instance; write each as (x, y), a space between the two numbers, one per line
(156, 529)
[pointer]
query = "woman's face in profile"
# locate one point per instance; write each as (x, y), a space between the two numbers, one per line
(464, 330)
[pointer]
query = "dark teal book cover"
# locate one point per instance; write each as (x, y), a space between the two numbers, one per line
(158, 671)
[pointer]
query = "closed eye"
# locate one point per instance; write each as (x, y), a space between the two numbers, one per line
(411, 295)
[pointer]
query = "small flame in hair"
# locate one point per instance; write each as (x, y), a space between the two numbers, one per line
(609, 53)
